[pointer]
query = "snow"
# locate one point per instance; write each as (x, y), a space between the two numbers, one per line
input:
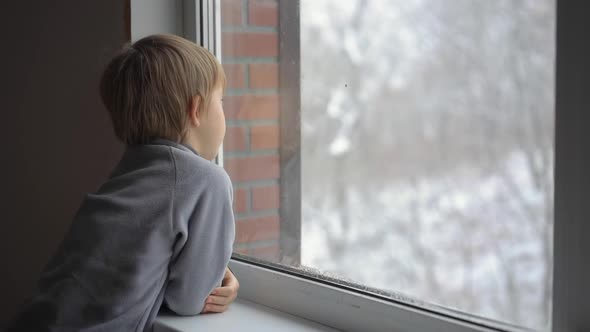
(427, 150)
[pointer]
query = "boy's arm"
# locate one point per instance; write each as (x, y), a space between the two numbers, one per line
(201, 264)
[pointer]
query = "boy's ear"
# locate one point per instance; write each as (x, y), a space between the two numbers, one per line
(193, 111)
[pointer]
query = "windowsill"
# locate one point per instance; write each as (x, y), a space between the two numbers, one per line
(241, 316)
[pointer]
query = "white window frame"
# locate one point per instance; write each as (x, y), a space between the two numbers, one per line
(351, 310)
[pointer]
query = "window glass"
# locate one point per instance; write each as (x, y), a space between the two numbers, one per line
(402, 146)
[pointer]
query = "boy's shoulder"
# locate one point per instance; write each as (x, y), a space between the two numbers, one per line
(192, 169)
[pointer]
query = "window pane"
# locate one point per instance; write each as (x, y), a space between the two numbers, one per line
(423, 150)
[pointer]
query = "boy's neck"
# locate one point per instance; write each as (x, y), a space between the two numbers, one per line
(192, 143)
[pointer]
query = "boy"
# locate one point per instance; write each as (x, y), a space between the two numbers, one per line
(161, 229)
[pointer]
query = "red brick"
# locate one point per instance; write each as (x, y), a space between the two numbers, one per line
(231, 12)
(265, 198)
(264, 137)
(269, 253)
(251, 107)
(240, 218)
(257, 229)
(252, 168)
(235, 139)
(243, 251)
(234, 73)
(256, 44)
(263, 13)
(264, 75)
(241, 200)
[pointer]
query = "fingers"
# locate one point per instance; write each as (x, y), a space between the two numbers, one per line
(233, 282)
(223, 296)
(230, 279)
(214, 308)
(227, 274)
(226, 291)
(219, 300)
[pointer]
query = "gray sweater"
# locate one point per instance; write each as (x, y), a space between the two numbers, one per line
(161, 229)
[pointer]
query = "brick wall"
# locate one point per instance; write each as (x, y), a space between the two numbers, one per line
(250, 53)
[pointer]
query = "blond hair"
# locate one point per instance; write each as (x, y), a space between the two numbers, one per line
(148, 86)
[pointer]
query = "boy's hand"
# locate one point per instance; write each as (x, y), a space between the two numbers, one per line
(223, 296)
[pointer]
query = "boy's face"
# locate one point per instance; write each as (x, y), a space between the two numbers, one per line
(212, 127)
(207, 128)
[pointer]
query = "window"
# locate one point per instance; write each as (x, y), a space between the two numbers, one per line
(404, 148)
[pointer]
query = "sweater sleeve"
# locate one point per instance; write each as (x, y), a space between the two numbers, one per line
(204, 242)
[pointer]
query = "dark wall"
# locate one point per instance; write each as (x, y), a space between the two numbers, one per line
(56, 138)
(571, 308)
